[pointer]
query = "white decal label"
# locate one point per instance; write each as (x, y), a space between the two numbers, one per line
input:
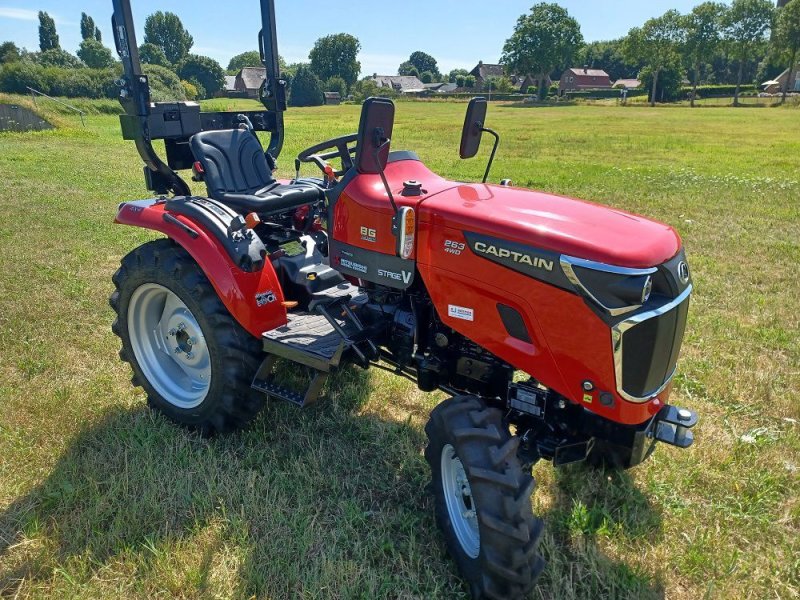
(461, 312)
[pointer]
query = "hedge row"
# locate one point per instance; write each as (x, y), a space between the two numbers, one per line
(467, 96)
(16, 77)
(604, 93)
(710, 91)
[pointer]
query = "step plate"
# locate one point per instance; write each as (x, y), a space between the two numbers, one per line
(306, 334)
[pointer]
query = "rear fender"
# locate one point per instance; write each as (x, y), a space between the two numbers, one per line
(254, 299)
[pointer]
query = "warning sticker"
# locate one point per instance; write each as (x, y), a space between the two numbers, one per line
(461, 312)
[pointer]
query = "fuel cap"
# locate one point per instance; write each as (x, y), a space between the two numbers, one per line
(412, 187)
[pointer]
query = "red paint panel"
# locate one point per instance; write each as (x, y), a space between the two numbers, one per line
(236, 288)
(569, 343)
(554, 223)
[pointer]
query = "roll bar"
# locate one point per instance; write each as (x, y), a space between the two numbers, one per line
(176, 122)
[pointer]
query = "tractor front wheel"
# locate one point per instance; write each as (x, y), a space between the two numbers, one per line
(482, 498)
(194, 361)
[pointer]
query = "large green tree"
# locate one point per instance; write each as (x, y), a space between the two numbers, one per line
(95, 55)
(608, 55)
(48, 37)
(89, 30)
(165, 30)
(408, 69)
(423, 62)
(543, 40)
(153, 55)
(703, 36)
(306, 88)
(9, 53)
(453, 75)
(657, 43)
(746, 24)
(251, 58)
(203, 70)
(786, 40)
(336, 56)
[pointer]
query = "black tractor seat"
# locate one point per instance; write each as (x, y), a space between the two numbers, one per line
(237, 173)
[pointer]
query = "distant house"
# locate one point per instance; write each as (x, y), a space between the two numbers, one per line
(332, 98)
(776, 85)
(484, 71)
(583, 79)
(249, 81)
(404, 84)
(441, 87)
(229, 89)
(627, 84)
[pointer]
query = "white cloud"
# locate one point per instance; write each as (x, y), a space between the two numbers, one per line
(25, 14)
(21, 14)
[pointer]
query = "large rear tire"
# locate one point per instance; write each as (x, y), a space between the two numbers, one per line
(482, 498)
(192, 358)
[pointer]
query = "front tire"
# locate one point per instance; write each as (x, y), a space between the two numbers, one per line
(482, 498)
(194, 361)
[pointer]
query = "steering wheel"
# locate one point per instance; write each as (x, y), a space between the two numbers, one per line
(336, 148)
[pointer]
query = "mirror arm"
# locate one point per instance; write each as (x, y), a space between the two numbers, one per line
(378, 151)
(494, 151)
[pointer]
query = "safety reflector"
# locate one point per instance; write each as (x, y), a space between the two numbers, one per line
(407, 220)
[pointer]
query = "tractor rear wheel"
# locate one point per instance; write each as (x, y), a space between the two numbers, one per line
(482, 498)
(194, 361)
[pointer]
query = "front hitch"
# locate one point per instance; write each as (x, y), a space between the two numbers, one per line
(672, 425)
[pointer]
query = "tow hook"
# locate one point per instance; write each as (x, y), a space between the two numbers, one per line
(672, 425)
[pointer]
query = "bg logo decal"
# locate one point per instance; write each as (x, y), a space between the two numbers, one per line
(369, 235)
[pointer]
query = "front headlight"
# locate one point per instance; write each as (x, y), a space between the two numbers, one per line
(616, 290)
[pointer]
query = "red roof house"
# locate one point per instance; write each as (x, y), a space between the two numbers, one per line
(584, 79)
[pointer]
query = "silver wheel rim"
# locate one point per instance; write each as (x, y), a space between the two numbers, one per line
(169, 345)
(460, 502)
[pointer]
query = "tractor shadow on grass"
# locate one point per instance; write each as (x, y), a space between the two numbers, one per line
(300, 503)
(588, 510)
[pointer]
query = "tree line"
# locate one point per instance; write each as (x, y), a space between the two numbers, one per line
(174, 71)
(715, 43)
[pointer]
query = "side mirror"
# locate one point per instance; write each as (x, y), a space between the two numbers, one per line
(374, 135)
(473, 127)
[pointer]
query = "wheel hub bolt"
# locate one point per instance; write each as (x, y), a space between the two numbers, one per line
(189, 355)
(177, 349)
(468, 514)
(191, 341)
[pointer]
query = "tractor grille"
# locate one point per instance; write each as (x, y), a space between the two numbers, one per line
(646, 349)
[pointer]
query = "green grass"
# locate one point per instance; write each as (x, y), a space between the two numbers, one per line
(101, 498)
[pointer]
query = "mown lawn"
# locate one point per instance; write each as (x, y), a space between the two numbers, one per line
(101, 498)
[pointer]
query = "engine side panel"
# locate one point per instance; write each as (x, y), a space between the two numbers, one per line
(569, 344)
(254, 299)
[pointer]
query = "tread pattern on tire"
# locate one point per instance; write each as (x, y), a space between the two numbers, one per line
(231, 403)
(509, 563)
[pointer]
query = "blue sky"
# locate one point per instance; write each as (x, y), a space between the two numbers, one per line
(458, 33)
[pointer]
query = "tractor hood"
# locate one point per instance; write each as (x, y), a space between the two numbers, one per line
(556, 223)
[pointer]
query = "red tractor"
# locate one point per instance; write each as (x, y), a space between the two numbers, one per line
(381, 262)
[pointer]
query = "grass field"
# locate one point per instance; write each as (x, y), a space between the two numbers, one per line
(101, 498)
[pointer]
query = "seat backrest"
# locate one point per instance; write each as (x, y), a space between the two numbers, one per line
(233, 161)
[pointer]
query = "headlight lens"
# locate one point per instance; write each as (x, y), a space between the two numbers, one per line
(617, 290)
